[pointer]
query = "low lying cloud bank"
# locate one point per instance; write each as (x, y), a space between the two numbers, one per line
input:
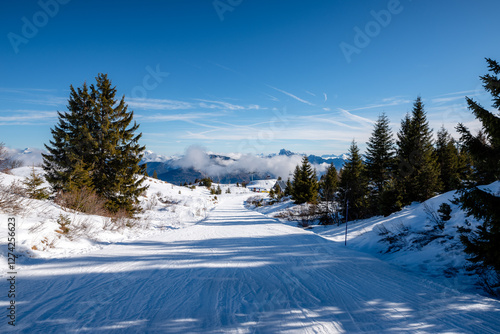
(199, 159)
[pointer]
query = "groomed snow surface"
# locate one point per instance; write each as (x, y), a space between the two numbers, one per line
(235, 271)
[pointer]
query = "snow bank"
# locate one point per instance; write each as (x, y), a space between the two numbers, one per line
(166, 207)
(408, 238)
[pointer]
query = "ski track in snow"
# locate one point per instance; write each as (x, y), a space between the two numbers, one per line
(238, 272)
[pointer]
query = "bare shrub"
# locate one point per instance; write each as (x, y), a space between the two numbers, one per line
(256, 201)
(168, 201)
(152, 202)
(396, 239)
(11, 198)
(83, 200)
(119, 221)
(7, 162)
(80, 227)
(439, 217)
(305, 215)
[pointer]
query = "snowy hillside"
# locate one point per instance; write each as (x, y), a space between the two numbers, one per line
(408, 238)
(166, 206)
(198, 263)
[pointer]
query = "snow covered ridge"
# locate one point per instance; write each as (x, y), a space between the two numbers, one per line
(410, 238)
(166, 207)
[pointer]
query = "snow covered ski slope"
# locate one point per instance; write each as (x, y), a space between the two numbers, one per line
(239, 272)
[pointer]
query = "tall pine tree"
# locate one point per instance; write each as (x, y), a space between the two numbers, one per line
(380, 162)
(305, 183)
(94, 145)
(328, 188)
(354, 185)
(417, 173)
(484, 148)
(448, 159)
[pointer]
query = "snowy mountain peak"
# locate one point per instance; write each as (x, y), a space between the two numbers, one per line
(286, 152)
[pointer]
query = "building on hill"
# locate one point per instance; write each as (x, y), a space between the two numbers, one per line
(280, 186)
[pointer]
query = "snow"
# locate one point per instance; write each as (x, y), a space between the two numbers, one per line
(440, 257)
(233, 271)
(261, 185)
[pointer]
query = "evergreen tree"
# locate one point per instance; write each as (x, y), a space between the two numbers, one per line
(155, 174)
(484, 148)
(95, 137)
(354, 185)
(79, 178)
(305, 183)
(379, 162)
(329, 184)
(328, 189)
(33, 186)
(288, 189)
(418, 174)
(448, 158)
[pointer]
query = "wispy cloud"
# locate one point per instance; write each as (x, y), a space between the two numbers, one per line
(27, 117)
(291, 95)
(226, 68)
(272, 98)
(210, 104)
(447, 99)
(159, 104)
(385, 103)
(325, 119)
(26, 90)
(356, 118)
(463, 92)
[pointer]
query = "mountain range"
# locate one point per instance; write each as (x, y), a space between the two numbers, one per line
(197, 164)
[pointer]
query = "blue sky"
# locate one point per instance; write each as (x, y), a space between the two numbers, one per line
(246, 76)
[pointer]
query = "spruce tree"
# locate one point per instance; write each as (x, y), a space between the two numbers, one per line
(379, 162)
(417, 173)
(448, 158)
(484, 148)
(305, 183)
(328, 189)
(288, 189)
(353, 188)
(329, 184)
(33, 186)
(96, 140)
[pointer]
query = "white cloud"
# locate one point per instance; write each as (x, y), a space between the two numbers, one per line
(292, 96)
(197, 157)
(159, 104)
(356, 118)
